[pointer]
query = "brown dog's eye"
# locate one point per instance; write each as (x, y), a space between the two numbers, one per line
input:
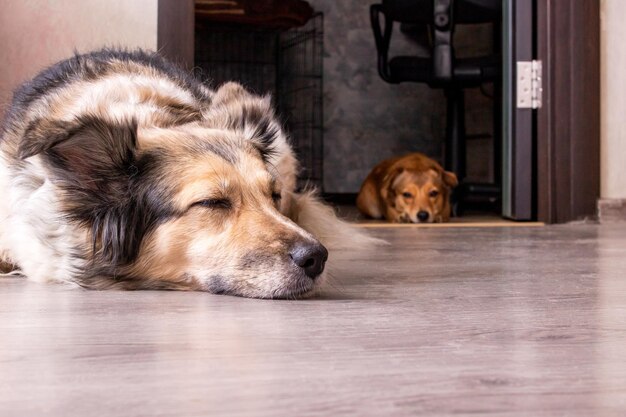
(407, 195)
(276, 197)
(433, 193)
(214, 203)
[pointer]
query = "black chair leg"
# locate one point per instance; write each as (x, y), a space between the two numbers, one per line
(455, 133)
(497, 141)
(455, 149)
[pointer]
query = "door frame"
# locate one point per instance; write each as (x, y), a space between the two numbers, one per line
(175, 31)
(517, 123)
(568, 124)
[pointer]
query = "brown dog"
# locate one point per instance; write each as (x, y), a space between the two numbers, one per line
(409, 189)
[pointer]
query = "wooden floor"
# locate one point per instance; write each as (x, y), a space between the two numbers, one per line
(463, 321)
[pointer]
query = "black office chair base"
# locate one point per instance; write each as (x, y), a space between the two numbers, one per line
(470, 196)
(467, 194)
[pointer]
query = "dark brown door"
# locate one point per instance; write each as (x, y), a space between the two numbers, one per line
(551, 159)
(568, 124)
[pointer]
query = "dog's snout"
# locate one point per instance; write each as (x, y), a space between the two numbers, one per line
(311, 257)
(423, 216)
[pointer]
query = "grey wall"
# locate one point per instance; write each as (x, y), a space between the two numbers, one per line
(367, 120)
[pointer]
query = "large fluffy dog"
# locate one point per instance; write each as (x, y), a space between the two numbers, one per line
(120, 170)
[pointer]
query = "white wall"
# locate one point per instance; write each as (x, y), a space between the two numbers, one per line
(613, 99)
(37, 33)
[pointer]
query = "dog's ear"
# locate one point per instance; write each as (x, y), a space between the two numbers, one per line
(449, 178)
(234, 108)
(387, 191)
(96, 165)
(86, 150)
(229, 92)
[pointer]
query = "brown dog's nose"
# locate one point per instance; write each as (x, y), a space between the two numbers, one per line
(309, 256)
(423, 216)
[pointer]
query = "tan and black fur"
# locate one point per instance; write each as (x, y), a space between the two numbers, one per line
(120, 170)
(408, 189)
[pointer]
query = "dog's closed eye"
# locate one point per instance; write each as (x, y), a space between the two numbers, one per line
(433, 193)
(407, 195)
(213, 203)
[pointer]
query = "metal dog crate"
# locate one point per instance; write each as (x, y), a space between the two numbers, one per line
(286, 64)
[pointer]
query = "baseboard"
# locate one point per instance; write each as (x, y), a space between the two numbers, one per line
(612, 210)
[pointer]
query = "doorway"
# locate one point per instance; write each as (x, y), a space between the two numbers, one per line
(550, 164)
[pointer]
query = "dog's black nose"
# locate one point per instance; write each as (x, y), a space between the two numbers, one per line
(311, 257)
(423, 216)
